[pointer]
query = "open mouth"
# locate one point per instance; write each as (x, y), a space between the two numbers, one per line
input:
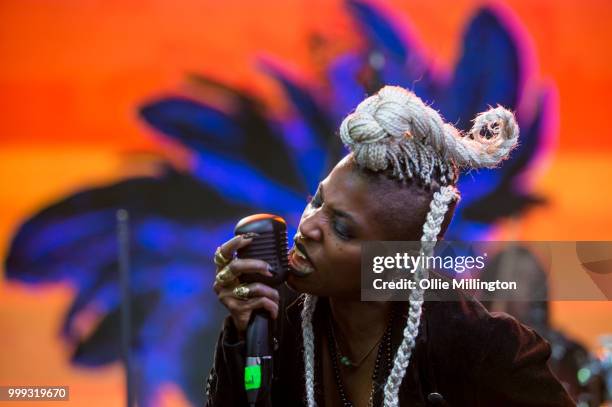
(298, 261)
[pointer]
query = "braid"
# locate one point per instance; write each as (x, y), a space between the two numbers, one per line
(310, 302)
(431, 229)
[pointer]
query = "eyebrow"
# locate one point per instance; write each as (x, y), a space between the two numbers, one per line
(336, 212)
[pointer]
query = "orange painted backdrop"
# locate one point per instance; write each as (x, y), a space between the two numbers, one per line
(72, 73)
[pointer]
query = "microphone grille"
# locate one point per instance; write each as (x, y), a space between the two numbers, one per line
(271, 246)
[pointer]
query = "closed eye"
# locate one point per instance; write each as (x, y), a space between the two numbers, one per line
(341, 230)
(339, 226)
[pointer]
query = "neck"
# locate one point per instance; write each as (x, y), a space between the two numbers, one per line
(360, 323)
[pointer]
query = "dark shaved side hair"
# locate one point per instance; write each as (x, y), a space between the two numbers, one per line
(403, 205)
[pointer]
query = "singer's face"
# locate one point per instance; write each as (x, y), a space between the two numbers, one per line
(339, 217)
(352, 206)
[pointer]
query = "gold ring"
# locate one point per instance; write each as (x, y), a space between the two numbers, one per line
(225, 276)
(242, 291)
(220, 259)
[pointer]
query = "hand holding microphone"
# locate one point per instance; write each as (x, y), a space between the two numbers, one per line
(260, 265)
(242, 299)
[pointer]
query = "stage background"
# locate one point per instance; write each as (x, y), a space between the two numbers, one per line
(73, 74)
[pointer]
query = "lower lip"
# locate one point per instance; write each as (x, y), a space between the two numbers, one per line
(299, 267)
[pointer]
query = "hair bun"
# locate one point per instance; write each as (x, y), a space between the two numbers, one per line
(378, 121)
(394, 126)
(493, 135)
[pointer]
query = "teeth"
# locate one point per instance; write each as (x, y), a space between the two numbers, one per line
(300, 265)
(299, 253)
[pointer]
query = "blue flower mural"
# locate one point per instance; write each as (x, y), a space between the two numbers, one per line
(245, 161)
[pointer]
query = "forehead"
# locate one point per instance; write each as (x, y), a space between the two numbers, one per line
(344, 187)
(344, 190)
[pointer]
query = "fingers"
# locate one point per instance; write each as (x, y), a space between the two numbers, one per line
(220, 287)
(246, 307)
(250, 266)
(262, 290)
(241, 310)
(228, 248)
(238, 267)
(242, 300)
(255, 290)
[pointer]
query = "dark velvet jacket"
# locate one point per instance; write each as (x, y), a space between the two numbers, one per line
(464, 356)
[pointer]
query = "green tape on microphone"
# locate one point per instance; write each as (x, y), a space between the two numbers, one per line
(252, 377)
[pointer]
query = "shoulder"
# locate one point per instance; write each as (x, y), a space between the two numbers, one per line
(460, 314)
(503, 360)
(466, 317)
(487, 341)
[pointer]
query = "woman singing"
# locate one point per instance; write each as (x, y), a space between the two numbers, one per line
(397, 183)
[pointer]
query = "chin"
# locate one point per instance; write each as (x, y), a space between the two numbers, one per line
(291, 283)
(304, 285)
(298, 284)
(307, 285)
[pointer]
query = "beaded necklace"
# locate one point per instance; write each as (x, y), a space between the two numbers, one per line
(384, 350)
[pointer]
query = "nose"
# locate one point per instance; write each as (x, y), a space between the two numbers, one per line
(309, 226)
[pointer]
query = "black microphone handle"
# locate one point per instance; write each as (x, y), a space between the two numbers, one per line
(269, 245)
(259, 362)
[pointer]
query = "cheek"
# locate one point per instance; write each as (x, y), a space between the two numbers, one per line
(344, 263)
